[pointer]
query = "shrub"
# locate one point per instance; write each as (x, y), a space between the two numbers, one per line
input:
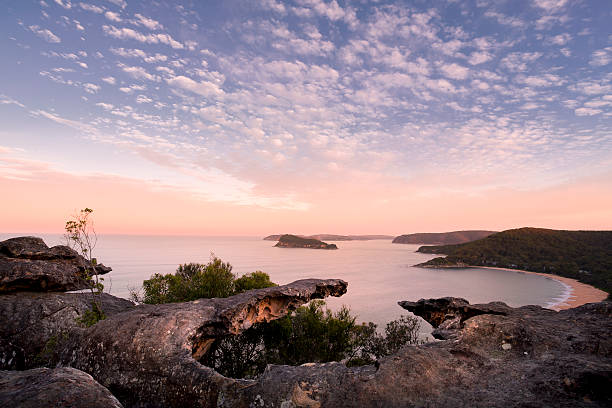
(311, 333)
(253, 280)
(190, 282)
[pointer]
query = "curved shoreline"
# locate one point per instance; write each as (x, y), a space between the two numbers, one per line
(576, 293)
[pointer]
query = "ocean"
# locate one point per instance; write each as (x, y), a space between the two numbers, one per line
(379, 273)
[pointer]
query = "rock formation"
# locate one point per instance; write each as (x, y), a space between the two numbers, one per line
(494, 356)
(60, 387)
(33, 326)
(27, 263)
(149, 355)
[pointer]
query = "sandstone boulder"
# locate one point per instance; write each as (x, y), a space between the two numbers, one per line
(59, 387)
(33, 325)
(28, 264)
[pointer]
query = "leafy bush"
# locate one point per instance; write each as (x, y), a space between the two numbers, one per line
(253, 280)
(195, 281)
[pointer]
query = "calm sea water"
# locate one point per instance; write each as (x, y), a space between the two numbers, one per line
(379, 273)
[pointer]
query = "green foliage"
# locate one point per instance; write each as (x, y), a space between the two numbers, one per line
(310, 334)
(46, 357)
(253, 280)
(91, 316)
(582, 255)
(195, 281)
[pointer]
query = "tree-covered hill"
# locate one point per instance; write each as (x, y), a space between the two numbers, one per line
(583, 255)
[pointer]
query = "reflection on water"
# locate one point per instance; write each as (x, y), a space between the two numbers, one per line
(379, 273)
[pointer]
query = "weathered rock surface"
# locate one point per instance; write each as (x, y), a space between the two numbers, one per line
(27, 263)
(33, 325)
(448, 314)
(60, 387)
(147, 356)
(498, 357)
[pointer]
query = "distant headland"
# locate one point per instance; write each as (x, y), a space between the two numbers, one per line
(294, 241)
(333, 237)
(582, 255)
(442, 238)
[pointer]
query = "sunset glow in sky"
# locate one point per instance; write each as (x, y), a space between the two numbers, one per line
(255, 117)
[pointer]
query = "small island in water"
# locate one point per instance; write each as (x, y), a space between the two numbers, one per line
(333, 237)
(294, 241)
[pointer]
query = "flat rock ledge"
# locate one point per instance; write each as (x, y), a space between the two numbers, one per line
(28, 264)
(59, 387)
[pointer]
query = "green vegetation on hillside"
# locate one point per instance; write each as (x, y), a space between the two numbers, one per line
(442, 238)
(582, 255)
(310, 333)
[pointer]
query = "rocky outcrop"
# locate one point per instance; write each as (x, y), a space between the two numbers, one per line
(448, 314)
(293, 241)
(59, 387)
(495, 356)
(33, 326)
(148, 356)
(28, 264)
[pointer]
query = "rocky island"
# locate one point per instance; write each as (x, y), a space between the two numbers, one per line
(487, 355)
(441, 238)
(333, 237)
(294, 241)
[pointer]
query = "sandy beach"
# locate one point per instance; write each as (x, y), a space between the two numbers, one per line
(578, 293)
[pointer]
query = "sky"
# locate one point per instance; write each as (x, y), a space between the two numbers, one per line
(257, 117)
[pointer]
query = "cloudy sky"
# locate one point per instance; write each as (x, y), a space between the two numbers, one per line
(307, 116)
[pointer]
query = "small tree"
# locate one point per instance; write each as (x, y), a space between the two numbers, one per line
(81, 236)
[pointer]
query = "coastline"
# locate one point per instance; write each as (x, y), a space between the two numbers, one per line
(576, 294)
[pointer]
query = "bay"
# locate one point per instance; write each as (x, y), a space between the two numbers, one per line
(379, 273)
